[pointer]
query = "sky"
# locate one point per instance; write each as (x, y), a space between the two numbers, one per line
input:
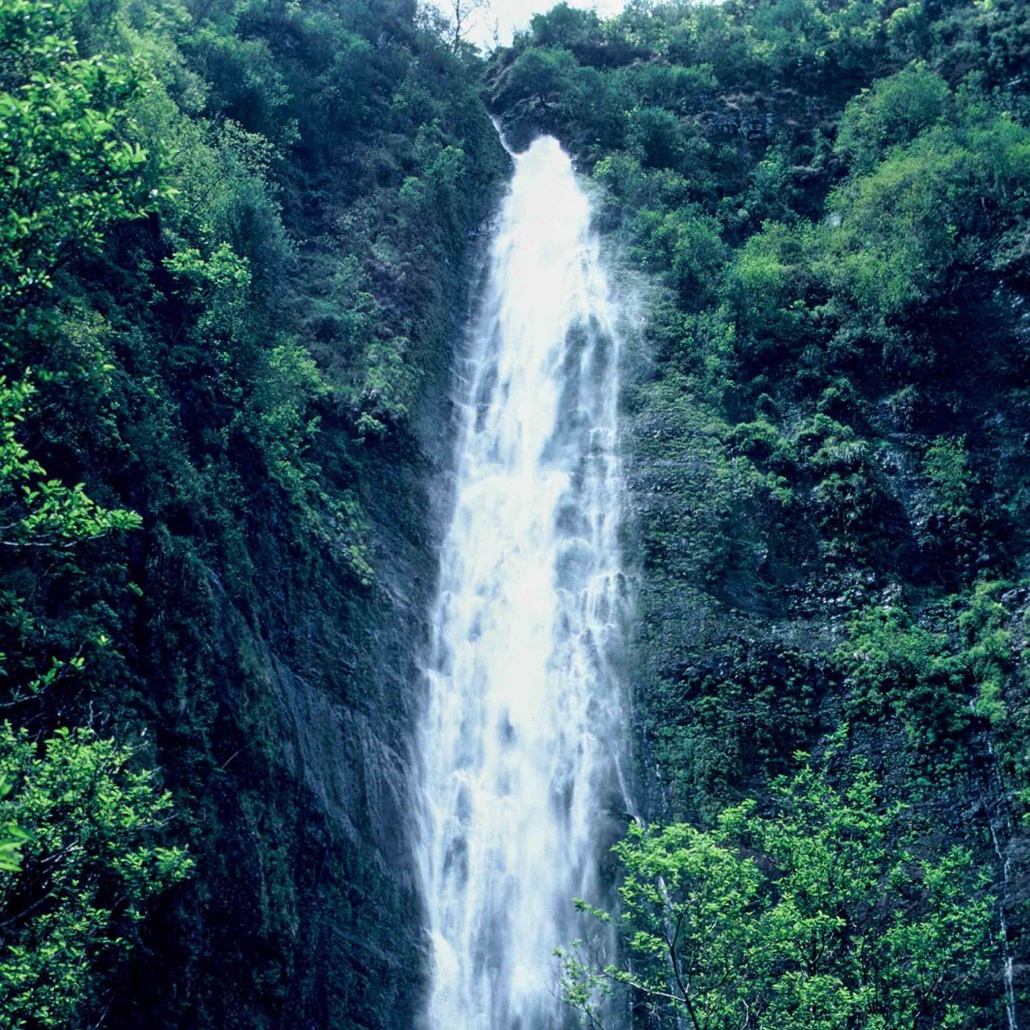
(509, 15)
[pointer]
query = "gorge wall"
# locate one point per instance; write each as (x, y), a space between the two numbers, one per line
(260, 364)
(825, 427)
(240, 308)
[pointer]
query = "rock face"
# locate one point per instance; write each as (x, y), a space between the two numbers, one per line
(745, 649)
(824, 430)
(288, 741)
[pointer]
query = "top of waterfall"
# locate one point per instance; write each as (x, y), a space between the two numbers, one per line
(543, 150)
(545, 141)
(545, 194)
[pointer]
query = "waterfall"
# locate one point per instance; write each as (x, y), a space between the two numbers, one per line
(521, 741)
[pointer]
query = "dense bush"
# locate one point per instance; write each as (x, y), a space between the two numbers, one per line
(827, 440)
(235, 243)
(811, 916)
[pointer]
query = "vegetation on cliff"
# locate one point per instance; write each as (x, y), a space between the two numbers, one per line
(235, 250)
(809, 915)
(825, 430)
(235, 242)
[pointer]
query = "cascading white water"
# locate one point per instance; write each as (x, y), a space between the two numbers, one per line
(521, 740)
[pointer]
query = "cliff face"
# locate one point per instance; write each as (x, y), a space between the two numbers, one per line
(259, 363)
(295, 767)
(249, 339)
(825, 420)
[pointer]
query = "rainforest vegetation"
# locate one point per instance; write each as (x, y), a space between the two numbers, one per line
(237, 244)
(234, 248)
(826, 440)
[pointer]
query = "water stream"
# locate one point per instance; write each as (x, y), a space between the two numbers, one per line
(521, 741)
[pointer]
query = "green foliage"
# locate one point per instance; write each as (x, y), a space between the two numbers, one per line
(565, 26)
(986, 636)
(42, 515)
(761, 441)
(848, 496)
(767, 288)
(68, 170)
(950, 520)
(441, 172)
(688, 244)
(36, 511)
(283, 426)
(945, 465)
(921, 216)
(539, 75)
(892, 112)
(12, 837)
(752, 714)
(935, 684)
(246, 86)
(236, 242)
(665, 89)
(817, 914)
(892, 665)
(692, 501)
(653, 136)
(92, 864)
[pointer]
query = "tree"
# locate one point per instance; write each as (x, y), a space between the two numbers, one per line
(817, 915)
(540, 75)
(36, 511)
(892, 112)
(66, 170)
(41, 514)
(90, 827)
(463, 17)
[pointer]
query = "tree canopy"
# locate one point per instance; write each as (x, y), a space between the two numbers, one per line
(812, 913)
